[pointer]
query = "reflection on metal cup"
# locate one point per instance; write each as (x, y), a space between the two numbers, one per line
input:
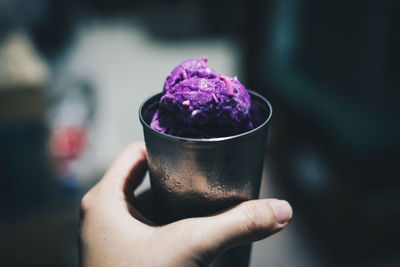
(197, 177)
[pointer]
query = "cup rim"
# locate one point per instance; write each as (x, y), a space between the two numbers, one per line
(207, 140)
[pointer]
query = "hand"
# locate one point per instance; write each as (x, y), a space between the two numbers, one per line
(114, 233)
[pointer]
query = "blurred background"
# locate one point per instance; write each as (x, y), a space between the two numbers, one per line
(73, 74)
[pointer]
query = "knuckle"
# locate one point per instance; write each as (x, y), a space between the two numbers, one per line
(134, 150)
(135, 146)
(86, 202)
(254, 217)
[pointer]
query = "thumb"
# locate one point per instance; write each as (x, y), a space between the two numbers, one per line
(247, 222)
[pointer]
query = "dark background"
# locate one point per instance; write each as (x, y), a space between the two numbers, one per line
(329, 68)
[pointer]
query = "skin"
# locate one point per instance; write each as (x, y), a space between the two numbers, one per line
(114, 233)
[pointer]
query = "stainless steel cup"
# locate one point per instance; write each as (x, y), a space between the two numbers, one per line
(197, 177)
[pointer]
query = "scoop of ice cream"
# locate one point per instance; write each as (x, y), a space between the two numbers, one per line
(197, 102)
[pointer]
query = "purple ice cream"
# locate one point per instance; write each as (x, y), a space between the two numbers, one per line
(198, 102)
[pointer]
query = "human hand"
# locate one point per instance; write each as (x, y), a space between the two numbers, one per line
(114, 233)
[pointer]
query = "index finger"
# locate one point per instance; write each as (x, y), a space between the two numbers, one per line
(128, 170)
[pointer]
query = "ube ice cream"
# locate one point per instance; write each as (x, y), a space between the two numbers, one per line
(198, 102)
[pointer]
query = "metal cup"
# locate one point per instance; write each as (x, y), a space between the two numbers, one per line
(197, 177)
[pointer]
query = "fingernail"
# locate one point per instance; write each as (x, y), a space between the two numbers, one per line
(282, 209)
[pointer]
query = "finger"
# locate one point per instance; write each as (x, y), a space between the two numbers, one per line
(125, 174)
(128, 170)
(114, 192)
(247, 222)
